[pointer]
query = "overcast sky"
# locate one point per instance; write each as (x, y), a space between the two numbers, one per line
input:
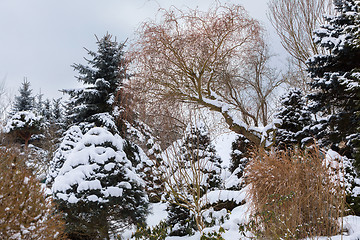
(40, 39)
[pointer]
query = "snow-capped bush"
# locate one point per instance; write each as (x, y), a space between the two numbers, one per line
(98, 182)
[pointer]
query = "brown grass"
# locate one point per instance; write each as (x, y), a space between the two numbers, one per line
(25, 212)
(295, 194)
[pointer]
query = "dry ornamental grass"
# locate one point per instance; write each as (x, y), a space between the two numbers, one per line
(25, 213)
(295, 194)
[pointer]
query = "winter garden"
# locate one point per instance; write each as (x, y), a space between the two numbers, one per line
(187, 131)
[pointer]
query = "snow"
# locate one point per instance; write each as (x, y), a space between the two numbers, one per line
(223, 147)
(225, 195)
(22, 119)
(84, 165)
(351, 227)
(158, 213)
(114, 191)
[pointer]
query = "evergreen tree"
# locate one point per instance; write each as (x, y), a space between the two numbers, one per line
(295, 120)
(24, 101)
(24, 125)
(196, 152)
(335, 80)
(240, 153)
(239, 156)
(57, 110)
(102, 77)
(336, 86)
(98, 186)
(71, 137)
(46, 111)
(197, 147)
(110, 190)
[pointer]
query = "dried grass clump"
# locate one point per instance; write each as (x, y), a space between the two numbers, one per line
(295, 194)
(25, 213)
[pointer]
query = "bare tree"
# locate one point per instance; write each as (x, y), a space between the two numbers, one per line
(201, 58)
(5, 100)
(258, 83)
(294, 22)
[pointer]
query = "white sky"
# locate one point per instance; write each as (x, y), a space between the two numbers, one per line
(40, 39)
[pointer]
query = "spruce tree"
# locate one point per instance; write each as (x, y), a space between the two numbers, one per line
(98, 187)
(102, 76)
(336, 86)
(57, 110)
(335, 80)
(196, 150)
(24, 101)
(112, 161)
(240, 156)
(295, 120)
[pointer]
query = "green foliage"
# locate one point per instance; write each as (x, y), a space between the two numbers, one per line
(214, 235)
(158, 232)
(102, 76)
(24, 101)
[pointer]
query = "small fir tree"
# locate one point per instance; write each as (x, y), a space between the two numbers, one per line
(196, 151)
(240, 156)
(295, 120)
(71, 137)
(57, 110)
(98, 186)
(24, 101)
(23, 125)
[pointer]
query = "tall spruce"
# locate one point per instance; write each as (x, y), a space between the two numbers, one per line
(335, 80)
(102, 77)
(336, 87)
(110, 191)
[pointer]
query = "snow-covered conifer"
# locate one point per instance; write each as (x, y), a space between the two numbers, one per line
(23, 125)
(111, 188)
(71, 137)
(197, 147)
(198, 161)
(239, 156)
(295, 120)
(24, 101)
(102, 76)
(98, 186)
(336, 83)
(335, 78)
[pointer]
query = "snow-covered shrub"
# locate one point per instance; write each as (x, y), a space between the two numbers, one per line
(71, 137)
(25, 212)
(23, 125)
(192, 169)
(295, 119)
(295, 194)
(214, 235)
(240, 156)
(98, 185)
